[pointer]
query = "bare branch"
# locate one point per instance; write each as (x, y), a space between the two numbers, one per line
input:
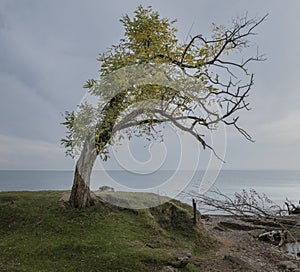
(242, 204)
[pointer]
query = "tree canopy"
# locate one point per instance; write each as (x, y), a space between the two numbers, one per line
(150, 78)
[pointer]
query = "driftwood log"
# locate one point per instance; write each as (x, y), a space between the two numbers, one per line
(275, 237)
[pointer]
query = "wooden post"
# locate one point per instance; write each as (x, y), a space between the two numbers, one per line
(195, 211)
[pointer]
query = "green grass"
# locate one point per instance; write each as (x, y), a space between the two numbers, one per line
(38, 234)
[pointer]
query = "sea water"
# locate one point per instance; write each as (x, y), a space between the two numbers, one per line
(276, 184)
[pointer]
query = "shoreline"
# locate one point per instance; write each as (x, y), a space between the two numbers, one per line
(241, 247)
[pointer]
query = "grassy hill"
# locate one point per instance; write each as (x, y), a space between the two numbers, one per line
(38, 233)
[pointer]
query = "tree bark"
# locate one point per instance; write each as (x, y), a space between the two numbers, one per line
(80, 195)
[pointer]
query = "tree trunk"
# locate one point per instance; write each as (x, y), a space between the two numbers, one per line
(80, 195)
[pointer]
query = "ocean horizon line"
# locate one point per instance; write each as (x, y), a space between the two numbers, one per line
(262, 169)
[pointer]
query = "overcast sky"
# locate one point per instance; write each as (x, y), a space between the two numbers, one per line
(48, 49)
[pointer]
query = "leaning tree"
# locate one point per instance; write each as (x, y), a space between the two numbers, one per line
(150, 78)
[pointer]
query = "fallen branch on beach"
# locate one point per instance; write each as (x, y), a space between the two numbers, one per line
(242, 204)
(251, 204)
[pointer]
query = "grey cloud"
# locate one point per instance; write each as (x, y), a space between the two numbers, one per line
(49, 48)
(2, 22)
(24, 114)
